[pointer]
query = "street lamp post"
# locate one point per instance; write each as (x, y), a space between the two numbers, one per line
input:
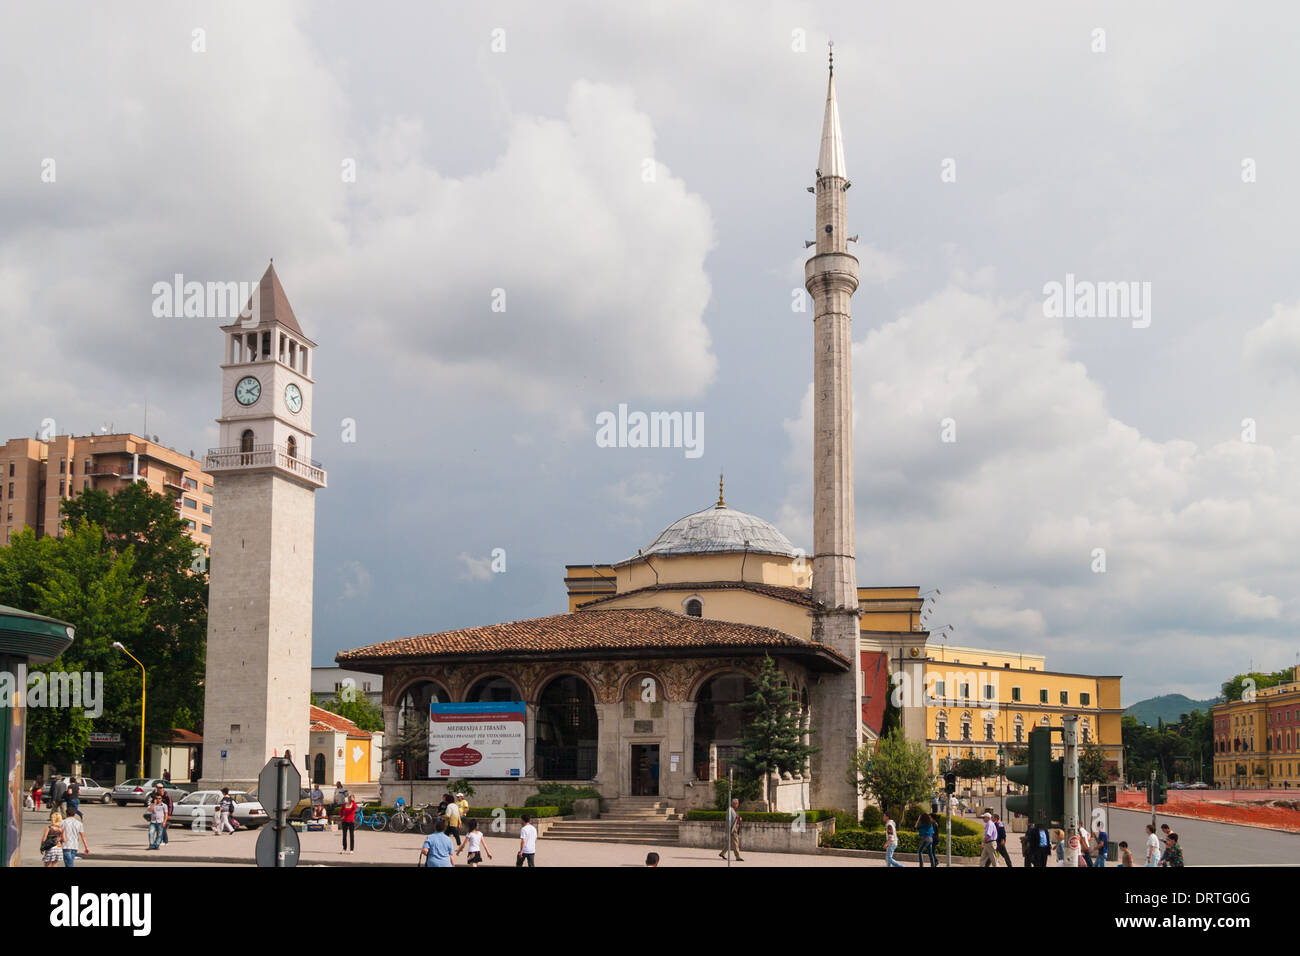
(143, 681)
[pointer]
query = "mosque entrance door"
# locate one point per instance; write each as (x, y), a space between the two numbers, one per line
(645, 770)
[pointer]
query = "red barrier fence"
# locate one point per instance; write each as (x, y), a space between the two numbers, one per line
(1209, 805)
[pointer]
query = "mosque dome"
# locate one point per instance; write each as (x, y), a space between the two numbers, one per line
(718, 530)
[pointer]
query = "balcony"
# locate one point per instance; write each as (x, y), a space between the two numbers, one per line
(234, 458)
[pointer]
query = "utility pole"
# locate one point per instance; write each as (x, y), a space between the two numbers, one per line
(1151, 795)
(1070, 735)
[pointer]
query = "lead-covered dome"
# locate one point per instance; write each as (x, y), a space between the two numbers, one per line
(718, 530)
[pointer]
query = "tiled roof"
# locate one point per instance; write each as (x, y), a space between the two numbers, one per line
(323, 720)
(180, 736)
(593, 633)
(793, 595)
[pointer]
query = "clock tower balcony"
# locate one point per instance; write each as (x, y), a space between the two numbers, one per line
(262, 457)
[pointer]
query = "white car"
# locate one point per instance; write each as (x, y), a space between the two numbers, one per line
(199, 809)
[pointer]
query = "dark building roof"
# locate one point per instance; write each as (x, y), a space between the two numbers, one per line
(610, 633)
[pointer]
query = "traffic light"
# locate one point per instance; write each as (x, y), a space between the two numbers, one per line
(950, 782)
(1160, 791)
(1043, 777)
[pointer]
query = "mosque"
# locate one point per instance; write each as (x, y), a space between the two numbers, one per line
(631, 691)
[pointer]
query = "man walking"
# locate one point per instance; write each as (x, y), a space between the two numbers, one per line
(59, 789)
(1002, 838)
(225, 813)
(527, 842)
(72, 797)
(1153, 847)
(161, 792)
(733, 832)
(989, 846)
(1173, 852)
(73, 830)
(1102, 843)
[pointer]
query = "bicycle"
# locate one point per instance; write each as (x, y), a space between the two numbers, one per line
(376, 821)
(421, 818)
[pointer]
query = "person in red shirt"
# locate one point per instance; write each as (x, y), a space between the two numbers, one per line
(348, 823)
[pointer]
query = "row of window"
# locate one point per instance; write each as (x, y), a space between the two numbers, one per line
(941, 728)
(990, 692)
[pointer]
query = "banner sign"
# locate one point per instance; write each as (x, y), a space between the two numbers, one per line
(476, 740)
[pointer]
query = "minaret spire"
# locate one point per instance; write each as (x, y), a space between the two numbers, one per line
(831, 277)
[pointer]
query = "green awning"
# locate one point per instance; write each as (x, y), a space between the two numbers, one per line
(39, 639)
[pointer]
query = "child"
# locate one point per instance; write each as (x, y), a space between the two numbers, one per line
(1125, 857)
(474, 840)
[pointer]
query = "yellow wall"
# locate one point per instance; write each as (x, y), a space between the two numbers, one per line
(357, 771)
(735, 605)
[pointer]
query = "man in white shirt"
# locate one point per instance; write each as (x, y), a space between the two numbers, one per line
(73, 831)
(527, 842)
(891, 841)
(989, 848)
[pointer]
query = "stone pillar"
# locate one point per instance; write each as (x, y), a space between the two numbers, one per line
(688, 740)
(530, 739)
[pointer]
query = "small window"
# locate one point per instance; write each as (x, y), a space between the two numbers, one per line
(1042, 696)
(939, 689)
(1015, 693)
(963, 691)
(1065, 697)
(61, 484)
(190, 524)
(943, 730)
(207, 490)
(190, 503)
(11, 469)
(694, 608)
(87, 468)
(207, 508)
(63, 466)
(207, 529)
(988, 691)
(1085, 699)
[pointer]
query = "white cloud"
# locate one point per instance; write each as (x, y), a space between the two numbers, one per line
(476, 569)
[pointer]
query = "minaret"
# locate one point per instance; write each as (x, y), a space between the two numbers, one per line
(257, 692)
(831, 277)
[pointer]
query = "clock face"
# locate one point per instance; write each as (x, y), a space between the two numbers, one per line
(293, 398)
(248, 390)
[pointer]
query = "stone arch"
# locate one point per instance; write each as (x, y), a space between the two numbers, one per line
(631, 685)
(717, 721)
(481, 682)
(567, 728)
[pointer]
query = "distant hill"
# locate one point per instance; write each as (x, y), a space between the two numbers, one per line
(1167, 708)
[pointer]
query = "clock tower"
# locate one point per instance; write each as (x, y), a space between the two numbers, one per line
(257, 691)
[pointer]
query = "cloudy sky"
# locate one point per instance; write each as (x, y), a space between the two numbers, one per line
(629, 181)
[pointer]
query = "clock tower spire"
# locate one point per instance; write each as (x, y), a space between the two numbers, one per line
(258, 684)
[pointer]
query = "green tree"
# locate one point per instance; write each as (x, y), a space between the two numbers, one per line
(357, 708)
(1092, 765)
(897, 773)
(77, 579)
(1233, 689)
(172, 569)
(771, 739)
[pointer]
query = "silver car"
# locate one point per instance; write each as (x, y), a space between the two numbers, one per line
(138, 790)
(91, 792)
(198, 810)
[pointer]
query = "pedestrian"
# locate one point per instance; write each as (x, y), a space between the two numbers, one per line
(1164, 833)
(348, 823)
(1084, 841)
(1058, 838)
(52, 841)
(1103, 844)
(340, 794)
(1125, 857)
(167, 776)
(652, 859)
(891, 842)
(1173, 852)
(1044, 848)
(167, 804)
(464, 806)
(1002, 837)
(989, 845)
(72, 797)
(474, 843)
(927, 831)
(225, 813)
(438, 850)
(732, 836)
(527, 842)
(1153, 846)
(59, 789)
(73, 830)
(157, 820)
(453, 821)
(317, 796)
(37, 787)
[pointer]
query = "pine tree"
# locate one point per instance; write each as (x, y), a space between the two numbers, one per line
(771, 741)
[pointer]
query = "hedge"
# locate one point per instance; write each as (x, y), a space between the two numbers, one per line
(513, 813)
(908, 842)
(754, 816)
(561, 795)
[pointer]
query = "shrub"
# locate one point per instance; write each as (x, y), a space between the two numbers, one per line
(560, 795)
(907, 842)
(913, 814)
(513, 813)
(872, 818)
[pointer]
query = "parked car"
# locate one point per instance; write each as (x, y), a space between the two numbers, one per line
(1199, 785)
(301, 809)
(202, 805)
(91, 792)
(137, 791)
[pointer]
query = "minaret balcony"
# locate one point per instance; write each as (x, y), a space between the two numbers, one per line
(256, 457)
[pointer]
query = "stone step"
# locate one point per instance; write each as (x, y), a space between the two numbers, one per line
(597, 827)
(632, 840)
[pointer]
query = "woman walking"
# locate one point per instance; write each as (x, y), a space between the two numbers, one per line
(348, 823)
(52, 841)
(37, 787)
(926, 832)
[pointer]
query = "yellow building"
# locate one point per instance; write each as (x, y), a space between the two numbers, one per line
(979, 700)
(37, 476)
(1257, 740)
